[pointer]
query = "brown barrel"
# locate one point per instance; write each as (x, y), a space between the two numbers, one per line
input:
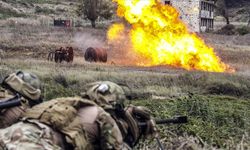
(95, 55)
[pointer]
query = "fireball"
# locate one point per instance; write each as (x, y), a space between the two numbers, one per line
(159, 37)
(115, 32)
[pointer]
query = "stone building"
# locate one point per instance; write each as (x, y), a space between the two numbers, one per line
(197, 14)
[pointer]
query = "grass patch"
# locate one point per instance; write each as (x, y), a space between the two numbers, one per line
(243, 30)
(38, 1)
(44, 10)
(6, 13)
(221, 120)
(214, 119)
(227, 88)
(53, 90)
(149, 83)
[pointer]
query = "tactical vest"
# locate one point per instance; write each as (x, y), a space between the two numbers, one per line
(61, 115)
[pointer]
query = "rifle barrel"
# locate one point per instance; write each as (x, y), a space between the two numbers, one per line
(176, 120)
(15, 101)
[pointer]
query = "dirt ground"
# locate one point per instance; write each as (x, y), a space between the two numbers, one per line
(224, 96)
(36, 42)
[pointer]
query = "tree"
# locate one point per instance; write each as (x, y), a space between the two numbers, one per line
(92, 9)
(222, 9)
(106, 9)
(248, 11)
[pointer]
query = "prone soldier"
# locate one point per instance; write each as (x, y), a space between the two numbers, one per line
(18, 92)
(80, 123)
(63, 123)
(111, 98)
(133, 121)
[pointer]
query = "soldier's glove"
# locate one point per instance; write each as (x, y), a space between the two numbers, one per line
(151, 128)
(143, 114)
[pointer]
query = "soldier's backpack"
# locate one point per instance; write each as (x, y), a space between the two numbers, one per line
(61, 114)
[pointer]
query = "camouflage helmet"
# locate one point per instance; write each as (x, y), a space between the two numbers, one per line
(106, 94)
(30, 78)
(26, 84)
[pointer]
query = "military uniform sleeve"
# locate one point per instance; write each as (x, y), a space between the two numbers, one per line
(10, 115)
(110, 135)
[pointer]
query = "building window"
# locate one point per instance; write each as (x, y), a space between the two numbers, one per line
(167, 2)
(202, 6)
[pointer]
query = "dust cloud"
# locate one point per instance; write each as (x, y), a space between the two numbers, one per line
(85, 40)
(119, 51)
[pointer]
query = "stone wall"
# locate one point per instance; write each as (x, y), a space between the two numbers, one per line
(189, 12)
(192, 14)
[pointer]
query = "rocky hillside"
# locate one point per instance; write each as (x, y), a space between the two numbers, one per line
(40, 10)
(37, 11)
(236, 3)
(239, 10)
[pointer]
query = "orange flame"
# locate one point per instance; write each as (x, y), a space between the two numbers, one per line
(159, 37)
(115, 31)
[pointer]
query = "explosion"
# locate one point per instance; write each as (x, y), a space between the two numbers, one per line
(159, 37)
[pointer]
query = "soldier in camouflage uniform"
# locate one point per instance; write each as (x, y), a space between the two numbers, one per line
(78, 123)
(111, 97)
(25, 88)
(64, 123)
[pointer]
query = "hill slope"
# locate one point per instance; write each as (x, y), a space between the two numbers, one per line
(36, 9)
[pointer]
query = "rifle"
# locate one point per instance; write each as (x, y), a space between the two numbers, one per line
(12, 102)
(175, 120)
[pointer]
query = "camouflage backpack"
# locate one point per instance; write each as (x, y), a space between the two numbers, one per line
(22, 85)
(61, 115)
(26, 84)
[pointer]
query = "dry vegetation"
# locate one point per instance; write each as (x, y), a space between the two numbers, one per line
(217, 104)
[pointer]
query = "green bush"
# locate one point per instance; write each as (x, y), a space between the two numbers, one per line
(243, 30)
(228, 88)
(227, 30)
(60, 79)
(36, 1)
(44, 10)
(7, 13)
(215, 120)
(53, 90)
